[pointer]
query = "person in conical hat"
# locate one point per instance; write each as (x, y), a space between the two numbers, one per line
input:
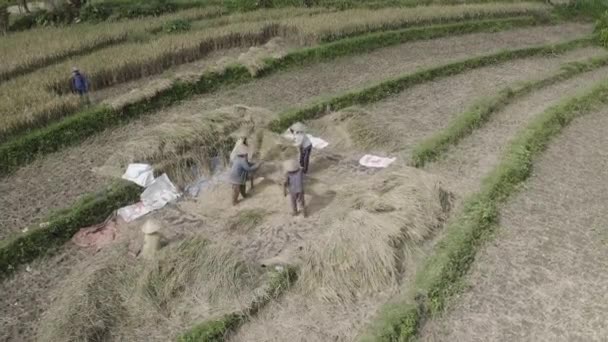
(241, 137)
(298, 127)
(294, 184)
(302, 142)
(239, 173)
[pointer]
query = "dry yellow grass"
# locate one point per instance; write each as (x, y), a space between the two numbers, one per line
(30, 100)
(339, 24)
(372, 229)
(259, 15)
(23, 49)
(27, 101)
(115, 297)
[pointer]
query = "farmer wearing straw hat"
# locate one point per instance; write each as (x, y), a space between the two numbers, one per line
(294, 182)
(238, 173)
(303, 143)
(242, 142)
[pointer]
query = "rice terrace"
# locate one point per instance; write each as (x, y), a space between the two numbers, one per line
(303, 170)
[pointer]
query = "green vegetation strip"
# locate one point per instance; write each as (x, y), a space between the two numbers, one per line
(388, 88)
(430, 149)
(217, 330)
(22, 149)
(61, 226)
(441, 276)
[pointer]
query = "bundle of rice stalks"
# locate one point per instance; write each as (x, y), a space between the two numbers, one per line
(184, 146)
(373, 226)
(118, 298)
(356, 128)
(254, 59)
(365, 131)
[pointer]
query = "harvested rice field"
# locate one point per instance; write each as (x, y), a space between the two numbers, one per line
(464, 104)
(542, 277)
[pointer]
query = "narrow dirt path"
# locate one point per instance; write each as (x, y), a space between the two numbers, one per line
(58, 179)
(543, 277)
(465, 165)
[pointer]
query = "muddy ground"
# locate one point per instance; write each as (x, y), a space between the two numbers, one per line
(543, 277)
(56, 180)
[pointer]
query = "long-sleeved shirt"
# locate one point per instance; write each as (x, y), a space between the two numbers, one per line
(238, 172)
(301, 140)
(80, 83)
(294, 181)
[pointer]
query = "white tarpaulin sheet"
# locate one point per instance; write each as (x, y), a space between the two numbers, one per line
(140, 174)
(160, 192)
(316, 142)
(133, 212)
(157, 194)
(369, 160)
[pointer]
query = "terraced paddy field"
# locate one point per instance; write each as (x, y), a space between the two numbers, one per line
(465, 97)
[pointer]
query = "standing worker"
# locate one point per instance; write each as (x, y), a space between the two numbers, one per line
(294, 182)
(238, 173)
(79, 84)
(303, 143)
(242, 142)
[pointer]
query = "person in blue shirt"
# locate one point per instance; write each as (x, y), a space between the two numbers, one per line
(239, 171)
(79, 83)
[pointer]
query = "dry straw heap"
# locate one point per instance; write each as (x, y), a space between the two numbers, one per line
(183, 146)
(115, 297)
(371, 228)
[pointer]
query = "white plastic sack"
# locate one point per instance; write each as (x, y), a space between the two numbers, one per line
(140, 174)
(133, 212)
(316, 142)
(160, 192)
(369, 160)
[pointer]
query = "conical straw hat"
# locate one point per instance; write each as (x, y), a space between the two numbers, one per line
(241, 150)
(298, 127)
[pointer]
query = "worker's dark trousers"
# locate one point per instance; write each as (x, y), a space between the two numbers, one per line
(305, 158)
(236, 190)
(295, 198)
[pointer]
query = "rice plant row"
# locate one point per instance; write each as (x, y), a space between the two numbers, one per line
(37, 47)
(39, 97)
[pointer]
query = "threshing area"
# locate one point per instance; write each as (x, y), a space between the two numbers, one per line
(373, 235)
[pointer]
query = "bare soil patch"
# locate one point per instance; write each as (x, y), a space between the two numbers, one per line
(467, 163)
(543, 277)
